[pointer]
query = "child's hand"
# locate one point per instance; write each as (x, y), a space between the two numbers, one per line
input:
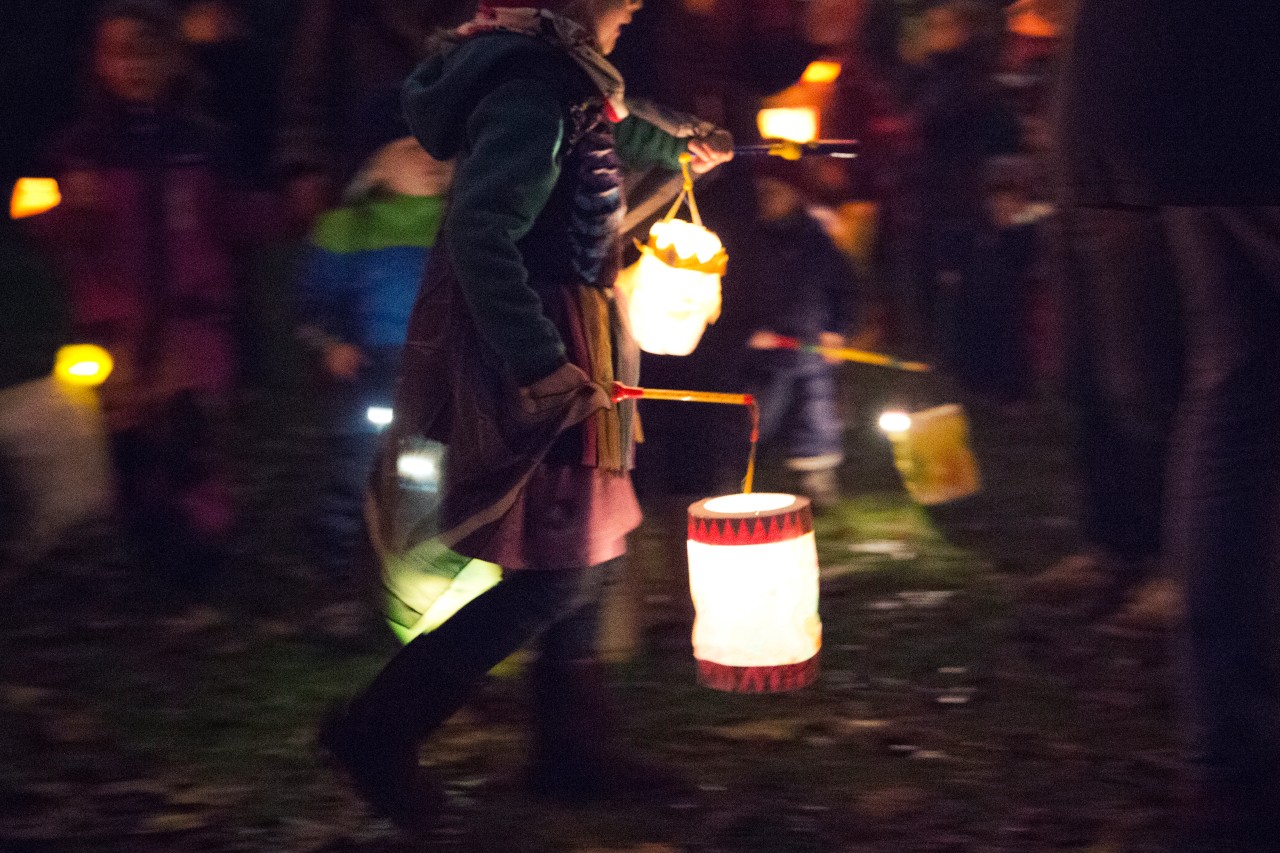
(343, 362)
(763, 339)
(831, 341)
(710, 151)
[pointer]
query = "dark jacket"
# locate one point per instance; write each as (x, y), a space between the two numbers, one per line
(1173, 102)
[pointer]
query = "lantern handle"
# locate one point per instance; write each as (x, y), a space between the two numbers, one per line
(686, 193)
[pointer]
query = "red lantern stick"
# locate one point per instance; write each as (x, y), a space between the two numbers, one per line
(850, 354)
(627, 392)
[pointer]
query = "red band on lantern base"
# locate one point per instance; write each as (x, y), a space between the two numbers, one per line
(758, 679)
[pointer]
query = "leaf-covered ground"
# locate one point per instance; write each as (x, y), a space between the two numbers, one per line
(951, 715)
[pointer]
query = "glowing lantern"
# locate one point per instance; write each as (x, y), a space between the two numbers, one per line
(33, 196)
(82, 365)
(794, 124)
(821, 71)
(673, 291)
(931, 452)
(753, 574)
(380, 416)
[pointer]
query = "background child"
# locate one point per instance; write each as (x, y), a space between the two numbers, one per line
(365, 262)
(790, 279)
(144, 235)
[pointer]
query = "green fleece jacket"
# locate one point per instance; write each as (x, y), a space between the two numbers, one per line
(499, 103)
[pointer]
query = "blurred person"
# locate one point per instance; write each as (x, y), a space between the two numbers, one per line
(53, 462)
(959, 122)
(791, 280)
(233, 82)
(512, 345)
(1163, 113)
(144, 234)
(364, 264)
(340, 87)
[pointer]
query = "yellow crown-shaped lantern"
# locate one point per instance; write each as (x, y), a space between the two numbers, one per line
(673, 291)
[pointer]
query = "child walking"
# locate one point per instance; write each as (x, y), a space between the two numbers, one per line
(515, 337)
(364, 264)
(144, 236)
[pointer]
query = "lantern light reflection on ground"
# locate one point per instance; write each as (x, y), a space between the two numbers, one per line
(753, 575)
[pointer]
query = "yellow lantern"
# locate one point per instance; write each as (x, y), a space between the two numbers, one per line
(33, 196)
(753, 574)
(821, 71)
(673, 291)
(931, 452)
(82, 365)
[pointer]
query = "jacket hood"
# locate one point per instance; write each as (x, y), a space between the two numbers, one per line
(441, 94)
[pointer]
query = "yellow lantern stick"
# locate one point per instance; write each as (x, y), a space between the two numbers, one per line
(628, 392)
(850, 354)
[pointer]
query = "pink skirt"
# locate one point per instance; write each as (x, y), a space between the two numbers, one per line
(567, 516)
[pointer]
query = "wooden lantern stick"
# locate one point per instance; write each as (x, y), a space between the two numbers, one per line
(628, 392)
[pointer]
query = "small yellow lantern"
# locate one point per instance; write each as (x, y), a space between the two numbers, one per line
(931, 452)
(33, 196)
(82, 365)
(673, 291)
(753, 574)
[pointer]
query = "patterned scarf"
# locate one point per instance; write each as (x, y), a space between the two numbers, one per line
(569, 36)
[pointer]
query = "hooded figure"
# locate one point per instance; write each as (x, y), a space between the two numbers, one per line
(505, 446)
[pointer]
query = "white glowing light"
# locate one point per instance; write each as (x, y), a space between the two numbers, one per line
(795, 124)
(418, 467)
(754, 502)
(895, 422)
(84, 368)
(379, 416)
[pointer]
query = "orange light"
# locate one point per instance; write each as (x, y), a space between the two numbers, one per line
(33, 196)
(794, 124)
(821, 71)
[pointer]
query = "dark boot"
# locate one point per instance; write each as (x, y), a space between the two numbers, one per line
(375, 738)
(575, 754)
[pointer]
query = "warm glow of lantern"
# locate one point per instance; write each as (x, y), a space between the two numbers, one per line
(753, 575)
(931, 452)
(33, 196)
(673, 291)
(893, 422)
(794, 124)
(85, 365)
(821, 71)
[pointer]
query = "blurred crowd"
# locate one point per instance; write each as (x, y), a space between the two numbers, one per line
(210, 136)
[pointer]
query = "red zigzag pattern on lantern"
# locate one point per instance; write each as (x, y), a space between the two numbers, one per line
(751, 531)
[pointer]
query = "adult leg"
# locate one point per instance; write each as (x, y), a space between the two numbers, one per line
(1223, 499)
(1125, 366)
(376, 738)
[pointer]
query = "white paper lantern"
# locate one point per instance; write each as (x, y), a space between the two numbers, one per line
(753, 574)
(674, 289)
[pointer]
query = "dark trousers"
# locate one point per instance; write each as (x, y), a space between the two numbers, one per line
(558, 607)
(338, 527)
(1222, 503)
(172, 494)
(1124, 371)
(799, 408)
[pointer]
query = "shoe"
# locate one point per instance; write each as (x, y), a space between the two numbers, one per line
(576, 757)
(374, 739)
(385, 772)
(1155, 607)
(1075, 579)
(822, 487)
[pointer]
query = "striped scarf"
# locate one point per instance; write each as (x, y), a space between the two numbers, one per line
(569, 36)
